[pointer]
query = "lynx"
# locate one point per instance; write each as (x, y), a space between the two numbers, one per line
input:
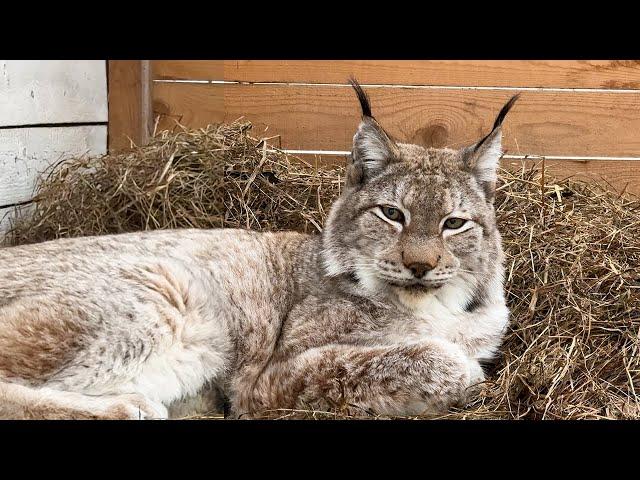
(390, 310)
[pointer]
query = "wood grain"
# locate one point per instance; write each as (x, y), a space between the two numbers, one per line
(130, 118)
(52, 91)
(325, 117)
(617, 175)
(190, 105)
(26, 152)
(608, 74)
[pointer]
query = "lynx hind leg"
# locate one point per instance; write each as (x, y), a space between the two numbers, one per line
(19, 402)
(413, 379)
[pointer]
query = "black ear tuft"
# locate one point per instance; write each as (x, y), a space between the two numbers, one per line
(505, 110)
(499, 119)
(373, 149)
(364, 99)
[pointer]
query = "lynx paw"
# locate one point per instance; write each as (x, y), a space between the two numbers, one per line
(466, 374)
(474, 386)
(134, 407)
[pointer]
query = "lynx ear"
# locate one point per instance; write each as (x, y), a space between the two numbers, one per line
(482, 158)
(372, 149)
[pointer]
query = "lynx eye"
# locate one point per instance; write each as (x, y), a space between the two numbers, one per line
(454, 223)
(392, 213)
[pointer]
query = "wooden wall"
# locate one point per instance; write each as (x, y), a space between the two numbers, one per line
(583, 116)
(50, 109)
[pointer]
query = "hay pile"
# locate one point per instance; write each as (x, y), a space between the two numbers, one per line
(573, 287)
(573, 249)
(214, 177)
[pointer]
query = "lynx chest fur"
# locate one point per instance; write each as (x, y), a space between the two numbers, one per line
(390, 310)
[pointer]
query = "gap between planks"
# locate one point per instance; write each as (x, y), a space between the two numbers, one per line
(399, 86)
(507, 157)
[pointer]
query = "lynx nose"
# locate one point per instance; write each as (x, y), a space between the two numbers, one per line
(422, 257)
(419, 269)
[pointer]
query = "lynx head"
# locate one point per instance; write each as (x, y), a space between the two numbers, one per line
(412, 219)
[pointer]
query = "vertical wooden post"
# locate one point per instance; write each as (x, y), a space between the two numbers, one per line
(130, 109)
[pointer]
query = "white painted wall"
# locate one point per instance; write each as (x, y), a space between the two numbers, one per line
(52, 91)
(44, 108)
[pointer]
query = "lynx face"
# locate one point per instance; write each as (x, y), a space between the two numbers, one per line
(414, 219)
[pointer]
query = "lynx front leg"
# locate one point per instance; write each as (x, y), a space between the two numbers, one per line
(19, 402)
(425, 377)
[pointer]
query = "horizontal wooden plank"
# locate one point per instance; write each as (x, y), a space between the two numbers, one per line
(325, 117)
(52, 91)
(617, 175)
(609, 74)
(26, 152)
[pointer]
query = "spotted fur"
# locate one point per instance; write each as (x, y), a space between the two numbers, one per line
(381, 315)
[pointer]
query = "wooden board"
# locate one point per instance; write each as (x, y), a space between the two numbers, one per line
(552, 122)
(26, 152)
(619, 175)
(190, 105)
(325, 117)
(606, 74)
(52, 91)
(130, 118)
